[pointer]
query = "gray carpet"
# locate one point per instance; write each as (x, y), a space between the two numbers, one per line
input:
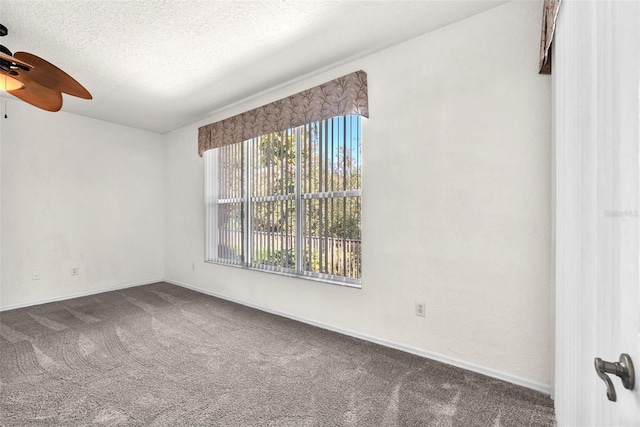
(163, 355)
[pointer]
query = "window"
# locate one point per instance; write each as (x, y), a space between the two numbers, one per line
(289, 202)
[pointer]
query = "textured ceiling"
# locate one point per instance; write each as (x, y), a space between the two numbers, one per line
(158, 65)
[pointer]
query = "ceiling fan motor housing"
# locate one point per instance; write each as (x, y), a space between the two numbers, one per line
(4, 64)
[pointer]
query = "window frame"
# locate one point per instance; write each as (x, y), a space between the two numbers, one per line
(247, 202)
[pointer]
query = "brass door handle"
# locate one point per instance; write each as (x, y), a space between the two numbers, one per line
(623, 369)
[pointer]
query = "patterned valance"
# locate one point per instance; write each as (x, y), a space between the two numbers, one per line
(346, 95)
(549, 16)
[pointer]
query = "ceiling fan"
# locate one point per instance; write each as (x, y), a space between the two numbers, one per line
(34, 80)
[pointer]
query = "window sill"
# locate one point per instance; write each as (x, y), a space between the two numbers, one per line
(348, 284)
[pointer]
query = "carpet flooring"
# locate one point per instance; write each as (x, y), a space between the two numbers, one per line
(163, 355)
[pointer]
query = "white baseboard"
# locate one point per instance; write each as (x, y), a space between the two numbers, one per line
(81, 294)
(544, 388)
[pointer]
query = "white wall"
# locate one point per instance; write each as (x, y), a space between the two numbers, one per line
(77, 192)
(456, 202)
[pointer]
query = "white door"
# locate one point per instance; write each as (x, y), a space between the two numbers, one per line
(596, 96)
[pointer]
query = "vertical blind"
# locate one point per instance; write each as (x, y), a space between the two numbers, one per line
(272, 204)
(289, 201)
(331, 197)
(224, 189)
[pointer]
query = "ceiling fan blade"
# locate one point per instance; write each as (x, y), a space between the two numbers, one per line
(14, 60)
(36, 94)
(52, 77)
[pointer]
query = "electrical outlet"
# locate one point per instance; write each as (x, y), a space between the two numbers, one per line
(75, 271)
(420, 309)
(35, 275)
